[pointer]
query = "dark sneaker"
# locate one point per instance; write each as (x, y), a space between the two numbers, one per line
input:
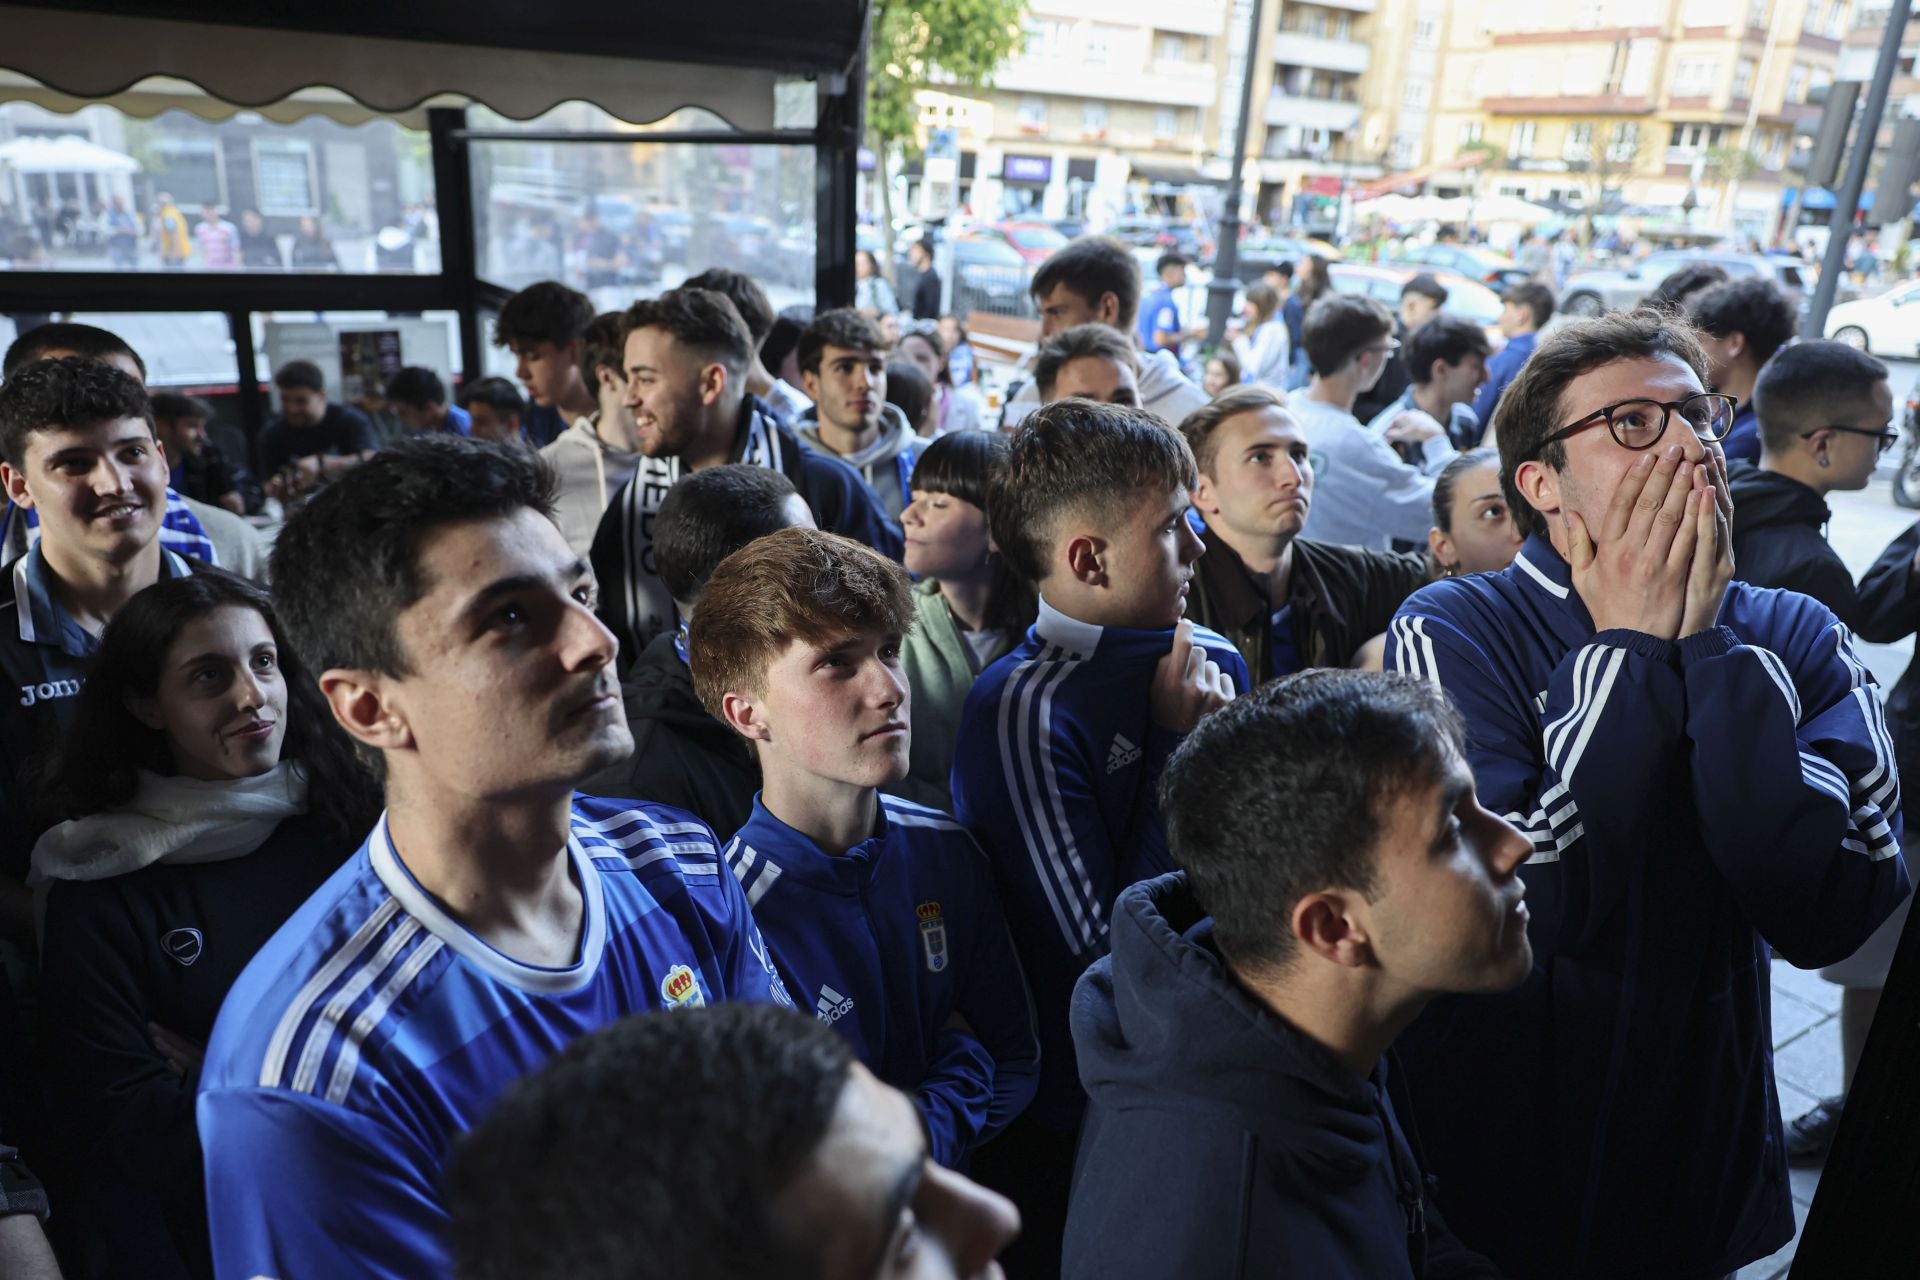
(1810, 1136)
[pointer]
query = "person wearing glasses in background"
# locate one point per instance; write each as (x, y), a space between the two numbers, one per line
(1705, 773)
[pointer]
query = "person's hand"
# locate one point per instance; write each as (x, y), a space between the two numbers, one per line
(1415, 426)
(1712, 567)
(1633, 575)
(183, 1056)
(1187, 684)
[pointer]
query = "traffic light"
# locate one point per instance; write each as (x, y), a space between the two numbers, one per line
(1830, 143)
(1893, 198)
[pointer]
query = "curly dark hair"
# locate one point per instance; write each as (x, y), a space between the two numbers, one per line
(348, 563)
(545, 312)
(96, 769)
(1752, 306)
(843, 327)
(74, 391)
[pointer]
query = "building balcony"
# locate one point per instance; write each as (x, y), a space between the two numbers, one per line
(1161, 82)
(1313, 113)
(1295, 49)
(1591, 104)
(1351, 6)
(1194, 17)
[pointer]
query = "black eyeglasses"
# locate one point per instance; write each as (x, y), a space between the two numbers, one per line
(1639, 424)
(1886, 439)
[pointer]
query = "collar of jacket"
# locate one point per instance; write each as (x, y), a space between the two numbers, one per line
(1086, 640)
(1243, 595)
(1547, 575)
(805, 862)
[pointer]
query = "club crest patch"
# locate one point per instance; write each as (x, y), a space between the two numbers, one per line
(933, 935)
(680, 989)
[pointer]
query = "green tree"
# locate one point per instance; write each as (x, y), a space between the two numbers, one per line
(956, 44)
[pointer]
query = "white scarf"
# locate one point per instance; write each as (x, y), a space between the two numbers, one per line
(172, 819)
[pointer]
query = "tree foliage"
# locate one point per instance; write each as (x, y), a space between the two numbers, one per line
(939, 43)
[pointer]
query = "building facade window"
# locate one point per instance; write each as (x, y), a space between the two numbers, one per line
(1166, 123)
(1578, 147)
(1695, 77)
(1624, 144)
(284, 177)
(1472, 131)
(1033, 115)
(1418, 92)
(1426, 34)
(1520, 143)
(1170, 47)
(1093, 117)
(1797, 82)
(1743, 78)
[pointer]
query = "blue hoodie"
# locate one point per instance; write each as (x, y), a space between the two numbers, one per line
(886, 943)
(1691, 806)
(1220, 1141)
(1055, 771)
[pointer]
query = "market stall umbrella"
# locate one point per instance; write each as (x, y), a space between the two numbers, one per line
(64, 155)
(1504, 208)
(1394, 208)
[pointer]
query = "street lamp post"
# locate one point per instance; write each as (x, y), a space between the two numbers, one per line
(1226, 259)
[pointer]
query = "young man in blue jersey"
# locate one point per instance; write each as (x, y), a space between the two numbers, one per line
(492, 916)
(881, 913)
(1707, 779)
(715, 1144)
(1062, 741)
(1336, 874)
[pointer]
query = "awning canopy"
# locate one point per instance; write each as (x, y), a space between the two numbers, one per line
(640, 61)
(1162, 174)
(63, 155)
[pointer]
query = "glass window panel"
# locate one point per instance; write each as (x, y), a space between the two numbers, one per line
(620, 220)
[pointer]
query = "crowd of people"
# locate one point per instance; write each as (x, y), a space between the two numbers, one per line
(729, 806)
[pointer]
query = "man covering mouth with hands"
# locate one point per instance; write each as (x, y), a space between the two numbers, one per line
(1704, 774)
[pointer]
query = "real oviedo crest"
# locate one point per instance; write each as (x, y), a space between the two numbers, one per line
(681, 990)
(933, 935)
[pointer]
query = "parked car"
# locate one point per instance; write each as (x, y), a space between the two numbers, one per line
(1475, 263)
(989, 275)
(1465, 297)
(1886, 325)
(1165, 234)
(1260, 254)
(1035, 242)
(1588, 293)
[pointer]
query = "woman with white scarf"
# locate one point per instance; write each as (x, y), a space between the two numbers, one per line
(205, 792)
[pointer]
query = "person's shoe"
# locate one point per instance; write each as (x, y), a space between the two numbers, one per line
(1810, 1136)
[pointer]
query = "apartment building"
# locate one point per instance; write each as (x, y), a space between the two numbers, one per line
(1684, 109)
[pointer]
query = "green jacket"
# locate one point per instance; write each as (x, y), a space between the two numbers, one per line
(940, 668)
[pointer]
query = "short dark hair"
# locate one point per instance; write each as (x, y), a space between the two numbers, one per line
(1075, 457)
(1427, 287)
(416, 387)
(1091, 267)
(1283, 269)
(746, 295)
(348, 563)
(701, 319)
(73, 391)
(909, 391)
(1804, 385)
(708, 515)
(1529, 409)
(170, 406)
(842, 327)
(785, 335)
(545, 312)
(1535, 297)
(1445, 337)
(1171, 260)
(668, 1136)
(1449, 479)
(1200, 426)
(1338, 325)
(300, 375)
(1752, 306)
(498, 394)
(1281, 793)
(1678, 285)
(604, 345)
(1083, 341)
(81, 339)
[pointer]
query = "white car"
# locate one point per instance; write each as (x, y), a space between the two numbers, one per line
(1887, 325)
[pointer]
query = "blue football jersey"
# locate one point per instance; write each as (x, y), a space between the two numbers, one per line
(373, 1029)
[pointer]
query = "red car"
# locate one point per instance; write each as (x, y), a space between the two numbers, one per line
(1035, 242)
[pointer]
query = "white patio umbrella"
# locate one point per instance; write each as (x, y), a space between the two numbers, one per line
(64, 155)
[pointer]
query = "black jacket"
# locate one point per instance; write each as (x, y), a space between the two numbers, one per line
(1341, 598)
(926, 295)
(681, 755)
(1395, 378)
(1219, 1141)
(162, 945)
(1889, 611)
(1779, 540)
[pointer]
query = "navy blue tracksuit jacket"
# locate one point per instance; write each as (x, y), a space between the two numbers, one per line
(1690, 805)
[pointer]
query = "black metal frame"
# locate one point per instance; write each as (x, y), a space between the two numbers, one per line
(458, 287)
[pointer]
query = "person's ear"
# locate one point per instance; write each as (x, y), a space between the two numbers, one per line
(713, 383)
(746, 715)
(1086, 557)
(810, 383)
(1440, 546)
(573, 351)
(15, 481)
(1204, 497)
(362, 703)
(1108, 309)
(1326, 924)
(145, 710)
(1820, 445)
(1539, 486)
(1736, 345)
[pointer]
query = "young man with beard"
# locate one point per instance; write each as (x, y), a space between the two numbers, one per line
(1336, 874)
(843, 368)
(492, 916)
(1286, 603)
(687, 353)
(599, 452)
(1706, 778)
(750, 300)
(881, 913)
(76, 449)
(200, 470)
(1062, 741)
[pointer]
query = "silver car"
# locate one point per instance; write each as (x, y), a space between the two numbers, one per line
(1588, 293)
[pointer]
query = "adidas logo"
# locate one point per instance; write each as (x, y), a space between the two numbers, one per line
(832, 1006)
(1121, 754)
